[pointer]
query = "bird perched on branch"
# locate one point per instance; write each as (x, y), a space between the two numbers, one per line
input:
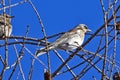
(68, 41)
(5, 25)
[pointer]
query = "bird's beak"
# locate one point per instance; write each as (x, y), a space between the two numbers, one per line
(88, 30)
(11, 16)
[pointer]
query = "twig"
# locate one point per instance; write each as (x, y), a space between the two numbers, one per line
(15, 64)
(69, 69)
(12, 5)
(33, 55)
(44, 33)
(31, 69)
(115, 35)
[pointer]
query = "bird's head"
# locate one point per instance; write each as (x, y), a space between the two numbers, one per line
(82, 27)
(6, 17)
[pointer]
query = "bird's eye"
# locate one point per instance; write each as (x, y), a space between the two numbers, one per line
(7, 16)
(85, 27)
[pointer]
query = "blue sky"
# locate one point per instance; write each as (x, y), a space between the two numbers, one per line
(57, 16)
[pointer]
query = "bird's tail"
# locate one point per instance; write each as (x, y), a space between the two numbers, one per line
(41, 51)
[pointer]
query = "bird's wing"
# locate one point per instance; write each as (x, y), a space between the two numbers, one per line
(63, 40)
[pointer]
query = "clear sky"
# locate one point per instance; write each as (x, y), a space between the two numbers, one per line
(57, 16)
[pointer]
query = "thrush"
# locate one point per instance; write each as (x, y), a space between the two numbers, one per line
(5, 25)
(68, 41)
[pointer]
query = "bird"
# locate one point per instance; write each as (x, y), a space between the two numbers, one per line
(69, 41)
(5, 25)
(116, 76)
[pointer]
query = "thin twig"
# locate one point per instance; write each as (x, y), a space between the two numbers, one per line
(19, 57)
(69, 69)
(31, 69)
(44, 33)
(115, 35)
(12, 5)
